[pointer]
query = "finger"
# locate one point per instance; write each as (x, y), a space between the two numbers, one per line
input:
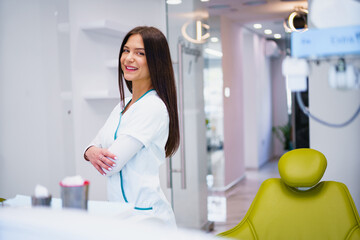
(100, 166)
(103, 165)
(109, 162)
(100, 170)
(104, 160)
(110, 159)
(108, 154)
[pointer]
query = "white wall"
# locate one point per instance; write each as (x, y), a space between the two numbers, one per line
(279, 102)
(250, 101)
(257, 101)
(264, 108)
(35, 118)
(231, 42)
(339, 145)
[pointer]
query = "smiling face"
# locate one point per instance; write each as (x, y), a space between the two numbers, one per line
(133, 61)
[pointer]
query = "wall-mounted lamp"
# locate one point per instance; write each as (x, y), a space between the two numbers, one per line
(296, 21)
(200, 37)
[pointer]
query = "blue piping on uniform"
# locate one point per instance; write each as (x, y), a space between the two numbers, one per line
(139, 208)
(115, 136)
(117, 127)
(145, 94)
(122, 188)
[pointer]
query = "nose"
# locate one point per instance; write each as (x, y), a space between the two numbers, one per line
(129, 58)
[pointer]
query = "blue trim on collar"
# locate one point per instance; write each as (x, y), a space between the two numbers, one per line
(139, 208)
(121, 113)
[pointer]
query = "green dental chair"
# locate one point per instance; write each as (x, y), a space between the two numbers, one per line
(298, 206)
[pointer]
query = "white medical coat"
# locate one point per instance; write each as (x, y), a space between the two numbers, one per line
(138, 181)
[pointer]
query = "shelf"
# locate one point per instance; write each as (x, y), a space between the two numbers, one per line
(100, 95)
(106, 27)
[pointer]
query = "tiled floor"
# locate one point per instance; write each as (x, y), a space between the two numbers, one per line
(228, 208)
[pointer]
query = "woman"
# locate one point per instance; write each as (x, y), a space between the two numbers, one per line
(141, 131)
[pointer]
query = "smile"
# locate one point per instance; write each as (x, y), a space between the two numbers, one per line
(130, 68)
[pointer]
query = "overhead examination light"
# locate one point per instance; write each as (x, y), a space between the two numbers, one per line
(296, 21)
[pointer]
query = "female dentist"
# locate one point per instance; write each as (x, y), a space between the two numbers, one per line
(142, 130)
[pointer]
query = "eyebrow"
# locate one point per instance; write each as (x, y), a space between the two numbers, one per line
(136, 48)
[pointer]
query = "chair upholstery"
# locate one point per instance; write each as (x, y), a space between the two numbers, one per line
(297, 206)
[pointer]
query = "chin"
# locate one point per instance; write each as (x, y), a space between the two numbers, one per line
(128, 78)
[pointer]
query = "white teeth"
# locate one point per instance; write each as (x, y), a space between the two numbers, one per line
(131, 68)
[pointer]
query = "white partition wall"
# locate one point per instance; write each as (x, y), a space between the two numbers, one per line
(339, 145)
(248, 108)
(257, 100)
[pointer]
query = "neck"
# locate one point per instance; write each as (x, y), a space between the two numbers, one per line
(139, 90)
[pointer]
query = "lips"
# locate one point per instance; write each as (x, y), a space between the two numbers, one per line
(130, 68)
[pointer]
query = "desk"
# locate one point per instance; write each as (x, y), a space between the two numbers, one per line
(98, 208)
(103, 220)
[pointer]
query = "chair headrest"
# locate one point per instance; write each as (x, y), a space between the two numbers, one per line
(302, 167)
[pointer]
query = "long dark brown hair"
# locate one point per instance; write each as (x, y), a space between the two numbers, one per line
(162, 78)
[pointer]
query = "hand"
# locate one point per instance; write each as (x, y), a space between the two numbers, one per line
(99, 158)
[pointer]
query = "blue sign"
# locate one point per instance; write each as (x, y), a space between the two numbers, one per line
(326, 42)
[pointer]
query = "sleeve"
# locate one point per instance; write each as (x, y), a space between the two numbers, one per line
(124, 147)
(98, 140)
(147, 122)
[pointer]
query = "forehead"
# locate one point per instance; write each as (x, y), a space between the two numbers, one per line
(135, 41)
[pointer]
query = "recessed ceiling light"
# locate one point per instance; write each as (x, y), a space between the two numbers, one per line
(267, 31)
(173, 2)
(204, 0)
(257, 26)
(214, 39)
(277, 36)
